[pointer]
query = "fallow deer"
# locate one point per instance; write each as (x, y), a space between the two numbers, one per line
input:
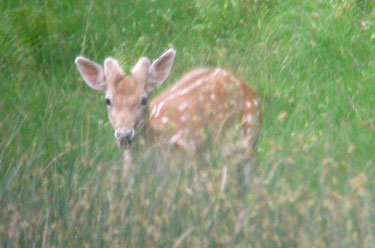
(204, 101)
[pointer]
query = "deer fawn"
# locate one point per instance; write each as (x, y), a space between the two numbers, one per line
(204, 101)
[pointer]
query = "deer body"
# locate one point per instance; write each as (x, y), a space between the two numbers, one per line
(204, 102)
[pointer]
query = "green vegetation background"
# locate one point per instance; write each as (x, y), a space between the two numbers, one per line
(312, 63)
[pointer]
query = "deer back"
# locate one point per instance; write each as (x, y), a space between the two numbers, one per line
(204, 103)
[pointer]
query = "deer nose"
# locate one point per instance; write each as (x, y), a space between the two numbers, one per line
(128, 135)
(124, 138)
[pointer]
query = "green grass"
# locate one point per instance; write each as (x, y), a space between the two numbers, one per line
(312, 63)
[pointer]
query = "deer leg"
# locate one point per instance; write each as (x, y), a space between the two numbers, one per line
(128, 163)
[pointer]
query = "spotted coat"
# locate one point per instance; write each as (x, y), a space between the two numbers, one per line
(204, 100)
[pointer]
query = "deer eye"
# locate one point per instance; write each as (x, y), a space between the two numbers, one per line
(144, 100)
(108, 101)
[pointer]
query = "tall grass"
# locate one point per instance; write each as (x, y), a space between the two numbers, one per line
(313, 65)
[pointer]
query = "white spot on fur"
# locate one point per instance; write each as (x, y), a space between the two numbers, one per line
(235, 80)
(182, 106)
(184, 118)
(186, 90)
(153, 111)
(248, 104)
(158, 109)
(213, 97)
(255, 102)
(164, 120)
(175, 137)
(249, 118)
(217, 71)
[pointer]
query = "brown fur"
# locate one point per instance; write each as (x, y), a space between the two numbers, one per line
(185, 117)
(204, 102)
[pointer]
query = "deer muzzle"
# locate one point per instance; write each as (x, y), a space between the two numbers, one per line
(124, 138)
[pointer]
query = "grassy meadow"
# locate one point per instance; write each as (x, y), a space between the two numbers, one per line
(312, 63)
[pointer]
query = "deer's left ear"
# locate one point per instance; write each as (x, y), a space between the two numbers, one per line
(160, 69)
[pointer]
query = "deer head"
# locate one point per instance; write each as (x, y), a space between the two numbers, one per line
(126, 96)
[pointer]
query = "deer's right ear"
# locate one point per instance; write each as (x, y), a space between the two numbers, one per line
(160, 69)
(92, 73)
